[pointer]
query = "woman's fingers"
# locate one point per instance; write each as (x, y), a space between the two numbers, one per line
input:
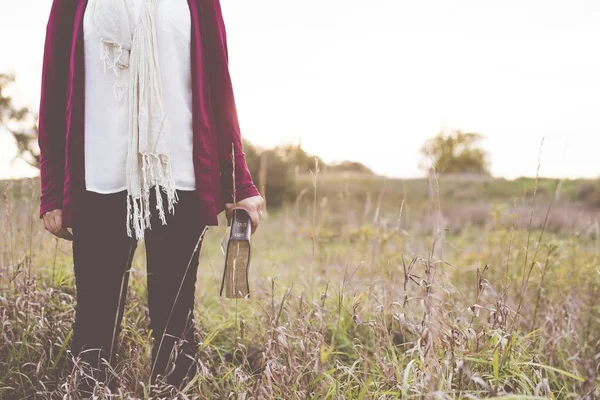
(50, 223)
(53, 224)
(251, 205)
(65, 234)
(229, 211)
(255, 219)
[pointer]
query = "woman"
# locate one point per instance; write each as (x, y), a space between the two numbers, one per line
(139, 139)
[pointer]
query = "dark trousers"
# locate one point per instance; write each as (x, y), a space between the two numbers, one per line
(102, 257)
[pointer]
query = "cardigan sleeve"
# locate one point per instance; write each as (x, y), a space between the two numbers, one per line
(225, 111)
(53, 102)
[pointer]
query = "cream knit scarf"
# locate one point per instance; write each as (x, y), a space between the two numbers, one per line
(130, 46)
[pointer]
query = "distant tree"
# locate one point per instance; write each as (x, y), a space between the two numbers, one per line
(21, 122)
(456, 153)
(295, 156)
(279, 185)
(350, 166)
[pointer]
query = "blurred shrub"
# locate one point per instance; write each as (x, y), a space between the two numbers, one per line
(283, 166)
(589, 193)
(456, 152)
(278, 175)
(20, 121)
(350, 166)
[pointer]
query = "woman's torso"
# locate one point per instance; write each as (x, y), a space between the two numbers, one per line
(106, 120)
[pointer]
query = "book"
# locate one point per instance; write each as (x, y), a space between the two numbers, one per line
(237, 257)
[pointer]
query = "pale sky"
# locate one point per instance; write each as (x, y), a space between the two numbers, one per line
(371, 80)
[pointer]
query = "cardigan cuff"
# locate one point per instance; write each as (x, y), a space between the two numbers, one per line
(241, 193)
(47, 205)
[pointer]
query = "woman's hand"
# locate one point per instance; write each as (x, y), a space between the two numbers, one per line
(251, 205)
(53, 224)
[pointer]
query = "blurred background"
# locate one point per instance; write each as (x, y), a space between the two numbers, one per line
(372, 83)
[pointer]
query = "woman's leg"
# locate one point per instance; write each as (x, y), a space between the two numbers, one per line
(102, 256)
(172, 266)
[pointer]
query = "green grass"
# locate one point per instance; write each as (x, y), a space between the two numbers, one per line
(379, 297)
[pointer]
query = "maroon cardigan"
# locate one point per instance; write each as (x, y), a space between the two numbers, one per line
(215, 122)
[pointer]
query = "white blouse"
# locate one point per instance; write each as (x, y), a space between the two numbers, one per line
(106, 122)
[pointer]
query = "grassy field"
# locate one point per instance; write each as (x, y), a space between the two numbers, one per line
(362, 288)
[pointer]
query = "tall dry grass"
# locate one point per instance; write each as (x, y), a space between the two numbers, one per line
(346, 303)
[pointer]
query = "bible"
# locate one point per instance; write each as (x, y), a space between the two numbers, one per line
(237, 257)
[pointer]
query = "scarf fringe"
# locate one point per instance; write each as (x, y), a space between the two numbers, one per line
(156, 172)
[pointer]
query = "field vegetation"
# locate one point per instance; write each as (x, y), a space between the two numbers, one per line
(361, 288)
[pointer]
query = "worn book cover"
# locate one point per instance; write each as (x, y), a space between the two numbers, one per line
(237, 248)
